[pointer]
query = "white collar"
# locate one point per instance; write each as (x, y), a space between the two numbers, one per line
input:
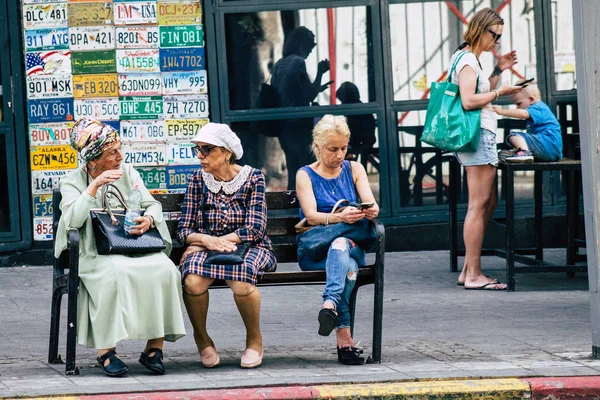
(228, 187)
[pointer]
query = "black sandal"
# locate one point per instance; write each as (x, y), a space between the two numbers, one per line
(153, 363)
(116, 367)
(350, 355)
(327, 321)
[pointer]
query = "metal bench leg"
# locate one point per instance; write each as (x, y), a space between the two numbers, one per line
(378, 317)
(537, 190)
(352, 308)
(572, 211)
(510, 228)
(453, 194)
(53, 357)
(71, 368)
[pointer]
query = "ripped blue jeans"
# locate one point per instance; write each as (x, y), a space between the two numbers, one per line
(341, 268)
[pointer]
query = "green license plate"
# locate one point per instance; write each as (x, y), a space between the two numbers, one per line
(141, 107)
(154, 178)
(94, 62)
(181, 36)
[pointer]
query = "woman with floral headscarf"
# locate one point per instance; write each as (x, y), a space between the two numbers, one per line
(120, 297)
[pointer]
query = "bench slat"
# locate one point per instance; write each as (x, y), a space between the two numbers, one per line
(275, 201)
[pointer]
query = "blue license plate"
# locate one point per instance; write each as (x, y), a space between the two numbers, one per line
(47, 39)
(50, 110)
(191, 59)
(178, 177)
(115, 124)
(42, 205)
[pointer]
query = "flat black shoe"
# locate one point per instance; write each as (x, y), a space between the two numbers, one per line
(116, 367)
(153, 363)
(327, 321)
(350, 355)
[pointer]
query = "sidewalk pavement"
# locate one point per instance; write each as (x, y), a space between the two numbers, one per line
(439, 341)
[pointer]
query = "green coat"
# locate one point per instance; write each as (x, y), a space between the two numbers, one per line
(120, 297)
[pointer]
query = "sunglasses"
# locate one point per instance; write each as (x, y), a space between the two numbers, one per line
(204, 150)
(496, 36)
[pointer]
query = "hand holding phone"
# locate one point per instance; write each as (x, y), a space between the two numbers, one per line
(364, 206)
(525, 82)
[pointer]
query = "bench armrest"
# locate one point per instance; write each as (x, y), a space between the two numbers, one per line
(73, 249)
(380, 245)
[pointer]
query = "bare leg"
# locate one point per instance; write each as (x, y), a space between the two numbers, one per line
(344, 339)
(247, 299)
(518, 142)
(195, 297)
(154, 344)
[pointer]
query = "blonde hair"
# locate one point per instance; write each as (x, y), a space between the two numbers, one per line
(478, 26)
(329, 124)
(532, 90)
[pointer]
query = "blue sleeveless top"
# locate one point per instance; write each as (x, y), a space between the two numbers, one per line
(328, 191)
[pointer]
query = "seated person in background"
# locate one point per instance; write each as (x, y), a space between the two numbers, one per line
(120, 297)
(543, 140)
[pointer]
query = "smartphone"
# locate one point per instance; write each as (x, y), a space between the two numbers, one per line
(364, 206)
(328, 83)
(525, 82)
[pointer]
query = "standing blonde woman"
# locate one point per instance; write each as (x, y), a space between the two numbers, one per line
(483, 33)
(320, 186)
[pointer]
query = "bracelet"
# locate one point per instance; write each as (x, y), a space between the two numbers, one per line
(497, 94)
(327, 219)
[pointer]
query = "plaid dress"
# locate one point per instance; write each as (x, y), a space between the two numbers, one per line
(243, 212)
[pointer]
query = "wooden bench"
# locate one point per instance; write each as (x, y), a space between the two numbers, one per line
(283, 215)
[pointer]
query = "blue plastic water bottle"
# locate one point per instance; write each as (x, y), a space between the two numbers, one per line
(134, 208)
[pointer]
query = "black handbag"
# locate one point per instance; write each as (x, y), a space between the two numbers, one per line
(220, 257)
(110, 235)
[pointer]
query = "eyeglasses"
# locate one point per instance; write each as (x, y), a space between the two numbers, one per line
(496, 36)
(204, 150)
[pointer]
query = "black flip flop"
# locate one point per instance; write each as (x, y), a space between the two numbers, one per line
(485, 287)
(463, 284)
(327, 321)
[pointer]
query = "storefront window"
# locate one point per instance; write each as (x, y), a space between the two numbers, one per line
(564, 45)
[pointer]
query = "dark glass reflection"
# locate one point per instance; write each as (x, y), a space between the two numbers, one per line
(4, 204)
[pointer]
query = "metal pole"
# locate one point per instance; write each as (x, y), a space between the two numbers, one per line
(586, 15)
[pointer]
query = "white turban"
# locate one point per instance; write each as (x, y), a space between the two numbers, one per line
(220, 135)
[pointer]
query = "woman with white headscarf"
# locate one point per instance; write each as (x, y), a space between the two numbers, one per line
(224, 207)
(120, 297)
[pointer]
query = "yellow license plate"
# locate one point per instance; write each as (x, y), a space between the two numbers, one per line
(97, 85)
(90, 14)
(179, 13)
(183, 130)
(53, 157)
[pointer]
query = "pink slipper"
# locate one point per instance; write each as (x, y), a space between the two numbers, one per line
(251, 359)
(210, 357)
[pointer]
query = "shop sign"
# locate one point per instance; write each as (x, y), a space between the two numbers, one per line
(143, 131)
(49, 134)
(180, 13)
(53, 157)
(97, 85)
(154, 178)
(90, 14)
(181, 153)
(181, 36)
(94, 62)
(44, 15)
(92, 38)
(189, 59)
(137, 13)
(50, 110)
(145, 153)
(189, 106)
(42, 205)
(179, 176)
(140, 85)
(42, 228)
(144, 37)
(100, 109)
(141, 107)
(46, 181)
(49, 86)
(193, 82)
(137, 61)
(47, 39)
(48, 62)
(183, 130)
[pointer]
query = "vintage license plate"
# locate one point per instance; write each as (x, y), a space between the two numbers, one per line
(100, 109)
(42, 228)
(145, 153)
(50, 110)
(94, 62)
(49, 86)
(139, 37)
(181, 153)
(193, 82)
(138, 61)
(179, 176)
(98, 85)
(90, 14)
(181, 107)
(44, 15)
(137, 13)
(46, 181)
(141, 107)
(181, 36)
(190, 59)
(143, 131)
(154, 178)
(42, 205)
(140, 85)
(49, 134)
(52, 157)
(183, 130)
(180, 13)
(42, 1)
(92, 38)
(48, 62)
(47, 39)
